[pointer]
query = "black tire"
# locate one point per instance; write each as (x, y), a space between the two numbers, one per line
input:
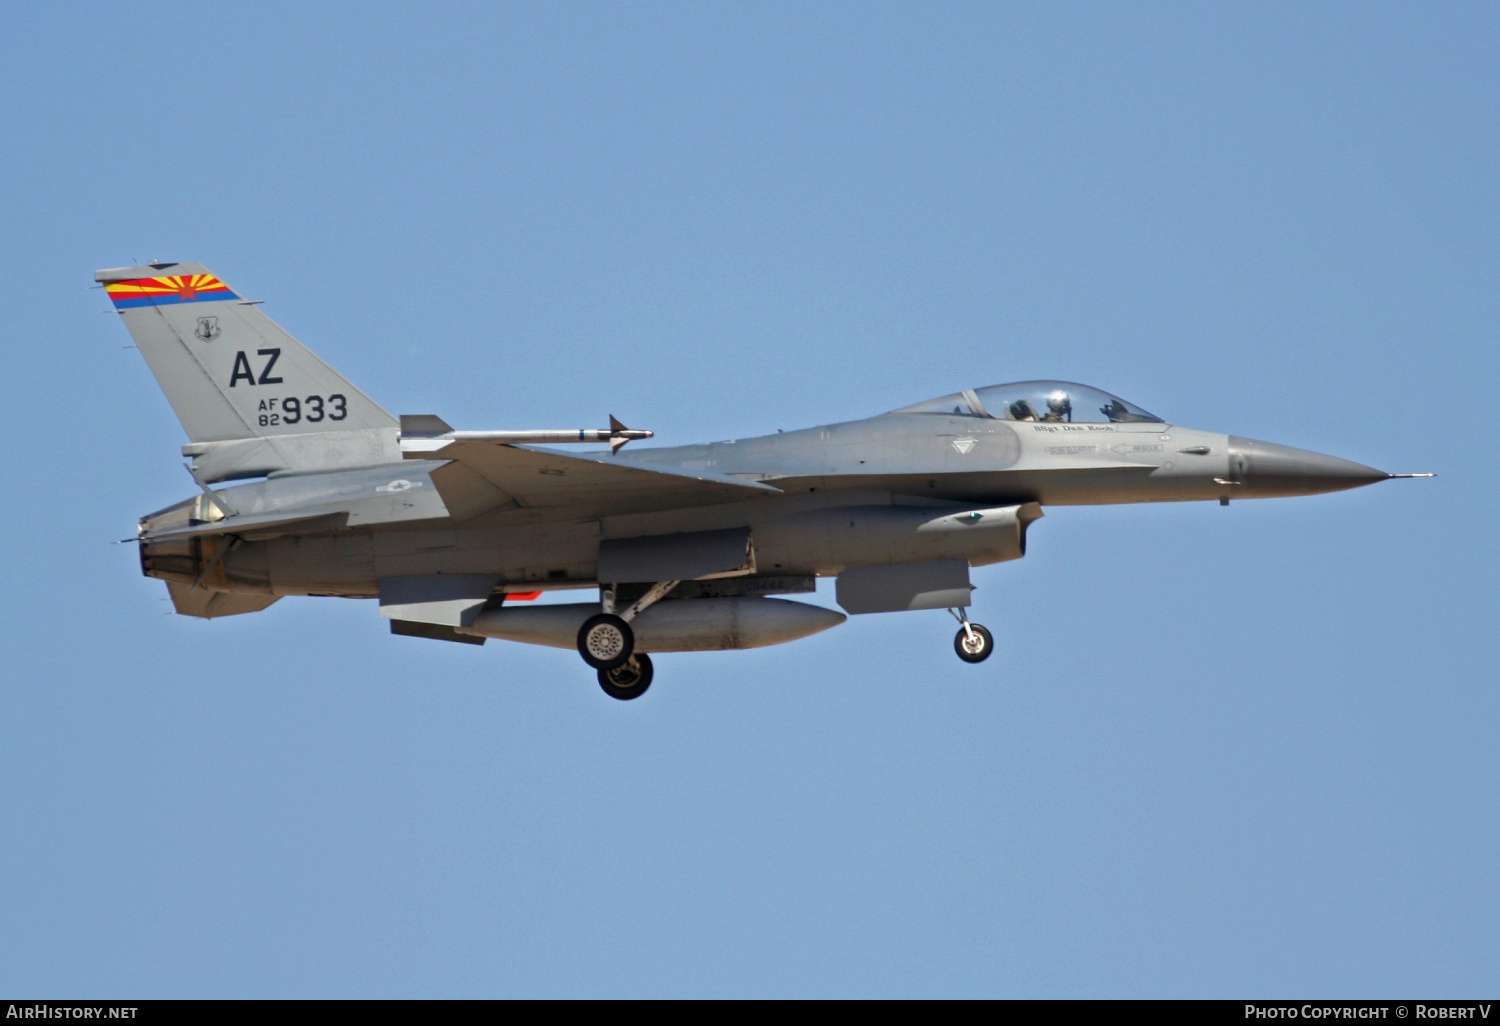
(605, 641)
(628, 680)
(966, 650)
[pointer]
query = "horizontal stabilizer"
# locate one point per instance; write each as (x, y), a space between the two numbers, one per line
(265, 525)
(394, 493)
(193, 601)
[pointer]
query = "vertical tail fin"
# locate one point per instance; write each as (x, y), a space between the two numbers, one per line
(233, 375)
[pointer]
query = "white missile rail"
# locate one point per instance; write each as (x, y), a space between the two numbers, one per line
(425, 433)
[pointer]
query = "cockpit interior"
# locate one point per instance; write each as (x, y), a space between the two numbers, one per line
(1058, 402)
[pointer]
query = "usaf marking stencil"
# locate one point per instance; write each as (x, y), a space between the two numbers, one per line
(686, 546)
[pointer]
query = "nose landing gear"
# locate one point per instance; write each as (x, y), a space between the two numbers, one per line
(973, 643)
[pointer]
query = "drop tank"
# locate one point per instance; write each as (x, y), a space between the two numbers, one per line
(675, 625)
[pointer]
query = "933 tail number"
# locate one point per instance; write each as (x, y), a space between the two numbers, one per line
(312, 409)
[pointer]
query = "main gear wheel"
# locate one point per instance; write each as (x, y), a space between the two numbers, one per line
(605, 641)
(628, 680)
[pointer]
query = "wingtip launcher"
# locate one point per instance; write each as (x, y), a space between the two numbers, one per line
(425, 435)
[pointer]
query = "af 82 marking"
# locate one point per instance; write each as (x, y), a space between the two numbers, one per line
(313, 409)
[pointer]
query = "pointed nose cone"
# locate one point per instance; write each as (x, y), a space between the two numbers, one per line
(1268, 469)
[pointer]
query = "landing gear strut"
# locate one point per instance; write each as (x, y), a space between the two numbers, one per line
(973, 643)
(628, 680)
(606, 641)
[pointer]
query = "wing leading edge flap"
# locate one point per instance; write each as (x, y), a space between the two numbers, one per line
(592, 483)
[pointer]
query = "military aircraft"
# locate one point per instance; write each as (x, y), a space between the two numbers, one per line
(686, 545)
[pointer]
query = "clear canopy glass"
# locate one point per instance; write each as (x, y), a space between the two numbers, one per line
(1058, 402)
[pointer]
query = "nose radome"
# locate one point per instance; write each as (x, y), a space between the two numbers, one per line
(1265, 468)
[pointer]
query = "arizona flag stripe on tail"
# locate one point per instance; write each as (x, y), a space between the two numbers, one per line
(185, 288)
(253, 399)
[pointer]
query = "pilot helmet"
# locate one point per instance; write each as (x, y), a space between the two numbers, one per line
(1059, 403)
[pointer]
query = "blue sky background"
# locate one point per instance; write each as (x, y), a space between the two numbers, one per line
(1219, 752)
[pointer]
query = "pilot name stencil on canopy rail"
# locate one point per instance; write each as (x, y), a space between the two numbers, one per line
(321, 492)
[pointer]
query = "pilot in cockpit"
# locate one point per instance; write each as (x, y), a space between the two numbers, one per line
(1056, 402)
(1059, 407)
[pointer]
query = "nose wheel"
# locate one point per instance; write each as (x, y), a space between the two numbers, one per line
(628, 680)
(973, 643)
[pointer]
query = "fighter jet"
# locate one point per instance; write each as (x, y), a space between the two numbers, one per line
(308, 487)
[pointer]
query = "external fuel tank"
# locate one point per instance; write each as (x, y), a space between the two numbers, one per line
(681, 625)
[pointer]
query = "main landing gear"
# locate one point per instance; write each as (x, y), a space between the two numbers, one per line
(973, 643)
(628, 680)
(607, 643)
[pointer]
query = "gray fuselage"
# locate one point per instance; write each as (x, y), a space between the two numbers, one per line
(859, 493)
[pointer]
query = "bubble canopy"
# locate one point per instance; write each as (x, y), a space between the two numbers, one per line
(1058, 402)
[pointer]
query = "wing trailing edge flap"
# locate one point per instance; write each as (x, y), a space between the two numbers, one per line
(586, 484)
